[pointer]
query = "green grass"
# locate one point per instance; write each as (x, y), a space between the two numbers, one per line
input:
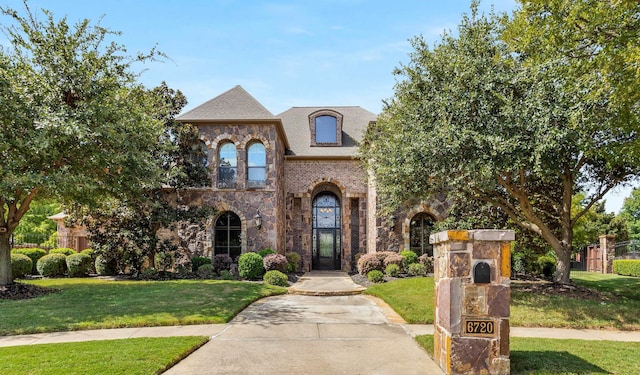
(413, 299)
(98, 303)
(549, 356)
(132, 356)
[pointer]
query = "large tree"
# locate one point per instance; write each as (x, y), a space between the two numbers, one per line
(481, 119)
(74, 122)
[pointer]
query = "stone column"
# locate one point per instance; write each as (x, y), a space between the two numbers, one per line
(472, 272)
(608, 251)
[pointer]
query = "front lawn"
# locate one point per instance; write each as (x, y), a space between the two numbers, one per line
(97, 303)
(142, 356)
(610, 302)
(549, 356)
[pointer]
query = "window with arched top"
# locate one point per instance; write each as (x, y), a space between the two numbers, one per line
(325, 126)
(203, 156)
(228, 235)
(420, 229)
(256, 166)
(227, 166)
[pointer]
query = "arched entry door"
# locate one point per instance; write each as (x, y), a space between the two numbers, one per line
(326, 232)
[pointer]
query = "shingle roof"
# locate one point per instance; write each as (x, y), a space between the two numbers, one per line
(296, 125)
(235, 104)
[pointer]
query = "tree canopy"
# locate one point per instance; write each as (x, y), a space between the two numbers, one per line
(74, 122)
(506, 121)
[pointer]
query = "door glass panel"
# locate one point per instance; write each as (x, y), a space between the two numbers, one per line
(326, 244)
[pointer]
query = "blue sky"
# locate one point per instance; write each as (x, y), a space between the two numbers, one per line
(285, 53)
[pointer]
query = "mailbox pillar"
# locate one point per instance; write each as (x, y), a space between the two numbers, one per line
(472, 272)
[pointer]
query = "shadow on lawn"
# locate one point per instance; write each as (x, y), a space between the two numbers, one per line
(551, 362)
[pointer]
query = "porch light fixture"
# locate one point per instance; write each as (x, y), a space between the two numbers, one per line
(392, 221)
(258, 220)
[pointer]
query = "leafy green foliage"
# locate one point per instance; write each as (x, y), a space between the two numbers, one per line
(630, 212)
(427, 262)
(596, 222)
(196, 262)
(265, 252)
(250, 266)
(35, 227)
(375, 276)
(546, 265)
(79, 264)
(416, 269)
(206, 271)
(408, 258)
(62, 250)
(222, 262)
(21, 265)
(276, 278)
(52, 265)
(627, 267)
(293, 262)
(33, 253)
(392, 270)
(106, 267)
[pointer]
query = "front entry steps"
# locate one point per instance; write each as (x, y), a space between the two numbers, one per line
(325, 283)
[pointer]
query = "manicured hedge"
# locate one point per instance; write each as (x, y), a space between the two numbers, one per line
(32, 252)
(627, 267)
(79, 265)
(20, 265)
(52, 265)
(62, 250)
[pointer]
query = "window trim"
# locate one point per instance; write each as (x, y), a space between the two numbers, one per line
(228, 230)
(219, 183)
(312, 128)
(256, 184)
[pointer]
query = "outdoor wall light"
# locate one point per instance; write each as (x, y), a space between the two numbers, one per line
(392, 221)
(258, 220)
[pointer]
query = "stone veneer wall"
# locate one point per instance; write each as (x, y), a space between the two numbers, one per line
(463, 298)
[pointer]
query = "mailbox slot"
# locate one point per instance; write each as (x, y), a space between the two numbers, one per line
(482, 273)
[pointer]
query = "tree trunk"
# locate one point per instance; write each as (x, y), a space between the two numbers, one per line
(563, 267)
(6, 277)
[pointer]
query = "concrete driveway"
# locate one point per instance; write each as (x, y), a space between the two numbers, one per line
(301, 334)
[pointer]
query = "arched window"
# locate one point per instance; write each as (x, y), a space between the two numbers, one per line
(227, 166)
(227, 232)
(256, 166)
(421, 227)
(203, 156)
(326, 129)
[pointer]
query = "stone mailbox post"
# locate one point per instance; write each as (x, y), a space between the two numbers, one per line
(472, 272)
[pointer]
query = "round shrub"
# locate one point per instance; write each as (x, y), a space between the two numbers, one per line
(106, 267)
(546, 265)
(52, 265)
(33, 253)
(375, 276)
(416, 269)
(265, 252)
(250, 266)
(275, 277)
(392, 270)
(222, 262)
(393, 258)
(427, 262)
(62, 250)
(21, 265)
(226, 275)
(196, 262)
(293, 261)
(368, 263)
(206, 271)
(409, 258)
(79, 264)
(276, 262)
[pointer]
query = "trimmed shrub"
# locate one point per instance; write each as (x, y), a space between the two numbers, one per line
(221, 262)
(277, 262)
(227, 275)
(250, 266)
(106, 267)
(627, 267)
(393, 258)
(92, 253)
(52, 265)
(21, 265)
(206, 271)
(196, 262)
(392, 270)
(275, 277)
(62, 250)
(34, 254)
(416, 269)
(79, 264)
(409, 258)
(368, 263)
(293, 262)
(149, 273)
(427, 262)
(375, 276)
(546, 265)
(265, 252)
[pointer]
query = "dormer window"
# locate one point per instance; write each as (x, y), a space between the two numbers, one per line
(326, 128)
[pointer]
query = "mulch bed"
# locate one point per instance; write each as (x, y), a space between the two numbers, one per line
(18, 291)
(546, 287)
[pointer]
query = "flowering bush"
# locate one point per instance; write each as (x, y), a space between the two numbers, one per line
(276, 262)
(393, 258)
(221, 262)
(427, 262)
(368, 263)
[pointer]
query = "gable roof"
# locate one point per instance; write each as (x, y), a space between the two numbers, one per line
(354, 123)
(235, 104)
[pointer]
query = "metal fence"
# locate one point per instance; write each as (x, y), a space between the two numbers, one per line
(29, 239)
(628, 249)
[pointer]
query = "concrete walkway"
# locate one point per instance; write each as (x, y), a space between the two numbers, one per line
(313, 330)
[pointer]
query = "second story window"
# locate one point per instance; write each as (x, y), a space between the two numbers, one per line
(256, 166)
(227, 166)
(326, 129)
